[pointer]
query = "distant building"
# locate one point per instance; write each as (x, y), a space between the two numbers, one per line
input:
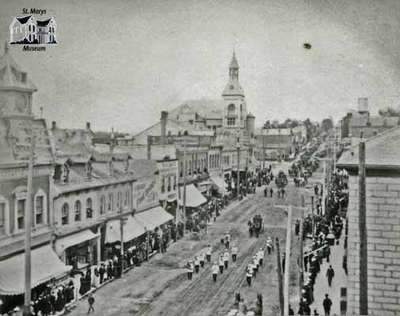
(361, 124)
(382, 220)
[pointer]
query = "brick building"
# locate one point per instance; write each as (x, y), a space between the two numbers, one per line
(383, 224)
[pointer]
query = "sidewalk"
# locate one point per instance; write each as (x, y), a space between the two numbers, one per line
(321, 283)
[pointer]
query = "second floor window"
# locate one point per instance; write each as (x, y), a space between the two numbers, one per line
(119, 201)
(65, 214)
(110, 202)
(39, 209)
(231, 121)
(21, 214)
(169, 184)
(126, 200)
(78, 211)
(89, 208)
(174, 182)
(2, 218)
(162, 185)
(102, 204)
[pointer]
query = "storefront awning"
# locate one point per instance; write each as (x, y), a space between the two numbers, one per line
(194, 198)
(45, 266)
(132, 229)
(74, 239)
(219, 182)
(154, 217)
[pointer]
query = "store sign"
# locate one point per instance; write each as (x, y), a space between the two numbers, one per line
(145, 194)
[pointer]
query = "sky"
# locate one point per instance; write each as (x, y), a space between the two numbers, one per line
(119, 63)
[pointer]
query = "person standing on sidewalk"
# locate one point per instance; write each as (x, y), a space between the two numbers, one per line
(330, 273)
(327, 303)
(91, 303)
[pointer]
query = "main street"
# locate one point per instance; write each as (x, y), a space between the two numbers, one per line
(160, 286)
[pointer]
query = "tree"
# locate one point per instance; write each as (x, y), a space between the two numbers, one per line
(326, 124)
(389, 111)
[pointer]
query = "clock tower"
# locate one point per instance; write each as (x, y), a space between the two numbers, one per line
(235, 111)
(16, 89)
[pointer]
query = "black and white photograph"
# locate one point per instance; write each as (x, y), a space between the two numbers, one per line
(199, 157)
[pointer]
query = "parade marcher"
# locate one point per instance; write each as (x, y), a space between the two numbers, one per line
(202, 258)
(249, 274)
(91, 303)
(255, 266)
(214, 270)
(330, 273)
(208, 253)
(189, 270)
(226, 259)
(271, 191)
(234, 252)
(227, 239)
(221, 264)
(269, 245)
(260, 256)
(327, 303)
(196, 264)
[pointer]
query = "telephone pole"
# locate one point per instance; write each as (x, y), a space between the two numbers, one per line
(363, 251)
(28, 227)
(287, 260)
(280, 281)
(184, 186)
(238, 168)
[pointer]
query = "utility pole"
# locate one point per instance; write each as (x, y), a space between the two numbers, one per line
(324, 188)
(363, 254)
(184, 186)
(301, 259)
(238, 168)
(263, 136)
(279, 271)
(287, 260)
(312, 218)
(28, 227)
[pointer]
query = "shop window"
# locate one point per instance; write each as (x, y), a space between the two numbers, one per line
(78, 211)
(65, 214)
(102, 204)
(89, 208)
(110, 202)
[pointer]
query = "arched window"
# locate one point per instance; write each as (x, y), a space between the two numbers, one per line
(89, 208)
(102, 204)
(40, 207)
(78, 211)
(65, 214)
(231, 110)
(3, 216)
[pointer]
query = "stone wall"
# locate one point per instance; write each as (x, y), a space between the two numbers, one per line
(383, 231)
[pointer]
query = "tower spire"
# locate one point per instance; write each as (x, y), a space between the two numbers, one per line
(234, 68)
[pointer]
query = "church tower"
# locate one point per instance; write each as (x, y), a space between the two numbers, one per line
(235, 111)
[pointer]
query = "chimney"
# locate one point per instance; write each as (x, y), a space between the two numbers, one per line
(363, 105)
(149, 143)
(88, 125)
(163, 121)
(53, 125)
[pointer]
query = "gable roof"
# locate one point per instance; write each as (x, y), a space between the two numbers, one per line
(206, 108)
(44, 22)
(381, 152)
(24, 19)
